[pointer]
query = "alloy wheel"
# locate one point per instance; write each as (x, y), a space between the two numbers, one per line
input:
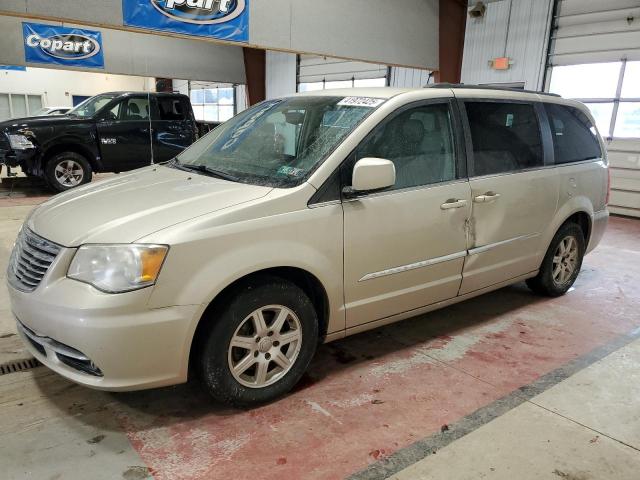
(69, 173)
(265, 346)
(565, 260)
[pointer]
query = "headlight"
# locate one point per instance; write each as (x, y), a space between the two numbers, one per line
(118, 268)
(20, 142)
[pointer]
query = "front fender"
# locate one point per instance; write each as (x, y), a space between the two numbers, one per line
(204, 259)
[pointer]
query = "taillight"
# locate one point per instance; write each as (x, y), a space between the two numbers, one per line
(606, 200)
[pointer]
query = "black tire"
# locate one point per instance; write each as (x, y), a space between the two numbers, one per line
(544, 283)
(80, 163)
(214, 355)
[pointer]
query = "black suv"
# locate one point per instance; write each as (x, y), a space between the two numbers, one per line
(111, 132)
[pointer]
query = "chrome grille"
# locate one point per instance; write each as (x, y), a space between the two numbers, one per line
(30, 260)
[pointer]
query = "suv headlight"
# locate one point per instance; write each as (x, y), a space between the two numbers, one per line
(20, 142)
(118, 268)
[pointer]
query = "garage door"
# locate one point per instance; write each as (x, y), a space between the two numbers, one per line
(318, 73)
(595, 58)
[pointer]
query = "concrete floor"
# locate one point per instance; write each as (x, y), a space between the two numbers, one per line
(508, 385)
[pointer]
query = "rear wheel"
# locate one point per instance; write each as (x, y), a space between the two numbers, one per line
(67, 170)
(259, 346)
(562, 262)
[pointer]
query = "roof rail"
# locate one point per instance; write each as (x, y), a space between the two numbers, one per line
(486, 87)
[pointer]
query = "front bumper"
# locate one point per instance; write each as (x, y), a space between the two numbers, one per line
(128, 346)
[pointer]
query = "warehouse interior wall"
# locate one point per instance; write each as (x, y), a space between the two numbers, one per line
(142, 54)
(57, 87)
(402, 32)
(517, 29)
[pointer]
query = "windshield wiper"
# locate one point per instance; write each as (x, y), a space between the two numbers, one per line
(212, 172)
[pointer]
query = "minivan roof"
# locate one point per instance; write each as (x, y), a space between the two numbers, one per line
(459, 89)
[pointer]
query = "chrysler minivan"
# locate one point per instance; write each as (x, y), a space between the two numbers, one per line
(303, 220)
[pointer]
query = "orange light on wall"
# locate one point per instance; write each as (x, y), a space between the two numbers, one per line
(501, 63)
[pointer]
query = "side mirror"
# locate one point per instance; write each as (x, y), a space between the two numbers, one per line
(371, 174)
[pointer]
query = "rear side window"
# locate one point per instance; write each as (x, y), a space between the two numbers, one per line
(171, 109)
(574, 137)
(506, 137)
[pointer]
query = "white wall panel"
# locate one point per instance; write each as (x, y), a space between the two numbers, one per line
(280, 74)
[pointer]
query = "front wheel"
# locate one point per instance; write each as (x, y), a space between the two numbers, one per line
(259, 346)
(67, 170)
(562, 262)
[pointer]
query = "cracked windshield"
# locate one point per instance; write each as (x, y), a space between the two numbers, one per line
(279, 142)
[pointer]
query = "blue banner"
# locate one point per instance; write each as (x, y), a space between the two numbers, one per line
(223, 19)
(70, 47)
(16, 68)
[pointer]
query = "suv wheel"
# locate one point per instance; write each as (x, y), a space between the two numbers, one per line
(260, 344)
(562, 263)
(67, 170)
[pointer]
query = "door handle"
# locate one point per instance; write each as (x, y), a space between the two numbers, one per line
(453, 203)
(487, 197)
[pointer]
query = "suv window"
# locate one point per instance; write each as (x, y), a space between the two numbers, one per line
(129, 109)
(419, 141)
(171, 109)
(135, 109)
(506, 137)
(574, 136)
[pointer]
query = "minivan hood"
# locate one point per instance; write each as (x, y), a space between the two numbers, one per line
(130, 206)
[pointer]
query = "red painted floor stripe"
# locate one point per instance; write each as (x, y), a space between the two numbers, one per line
(367, 396)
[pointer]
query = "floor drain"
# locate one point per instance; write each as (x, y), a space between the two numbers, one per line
(18, 366)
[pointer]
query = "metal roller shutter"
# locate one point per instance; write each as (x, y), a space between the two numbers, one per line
(314, 69)
(590, 31)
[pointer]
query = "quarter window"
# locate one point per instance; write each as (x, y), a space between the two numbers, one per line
(506, 137)
(419, 141)
(574, 136)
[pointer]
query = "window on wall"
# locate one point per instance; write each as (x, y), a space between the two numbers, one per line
(16, 105)
(611, 91)
(354, 82)
(213, 104)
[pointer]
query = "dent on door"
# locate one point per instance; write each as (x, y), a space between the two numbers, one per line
(510, 215)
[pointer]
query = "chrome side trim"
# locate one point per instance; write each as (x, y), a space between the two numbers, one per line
(55, 347)
(413, 266)
(485, 248)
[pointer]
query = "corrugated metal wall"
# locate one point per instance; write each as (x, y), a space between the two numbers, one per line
(517, 29)
(409, 77)
(594, 31)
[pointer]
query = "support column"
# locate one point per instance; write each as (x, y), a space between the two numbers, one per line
(452, 24)
(255, 69)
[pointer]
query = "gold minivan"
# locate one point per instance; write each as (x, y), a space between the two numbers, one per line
(303, 220)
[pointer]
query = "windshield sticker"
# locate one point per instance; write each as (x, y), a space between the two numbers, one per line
(291, 171)
(361, 102)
